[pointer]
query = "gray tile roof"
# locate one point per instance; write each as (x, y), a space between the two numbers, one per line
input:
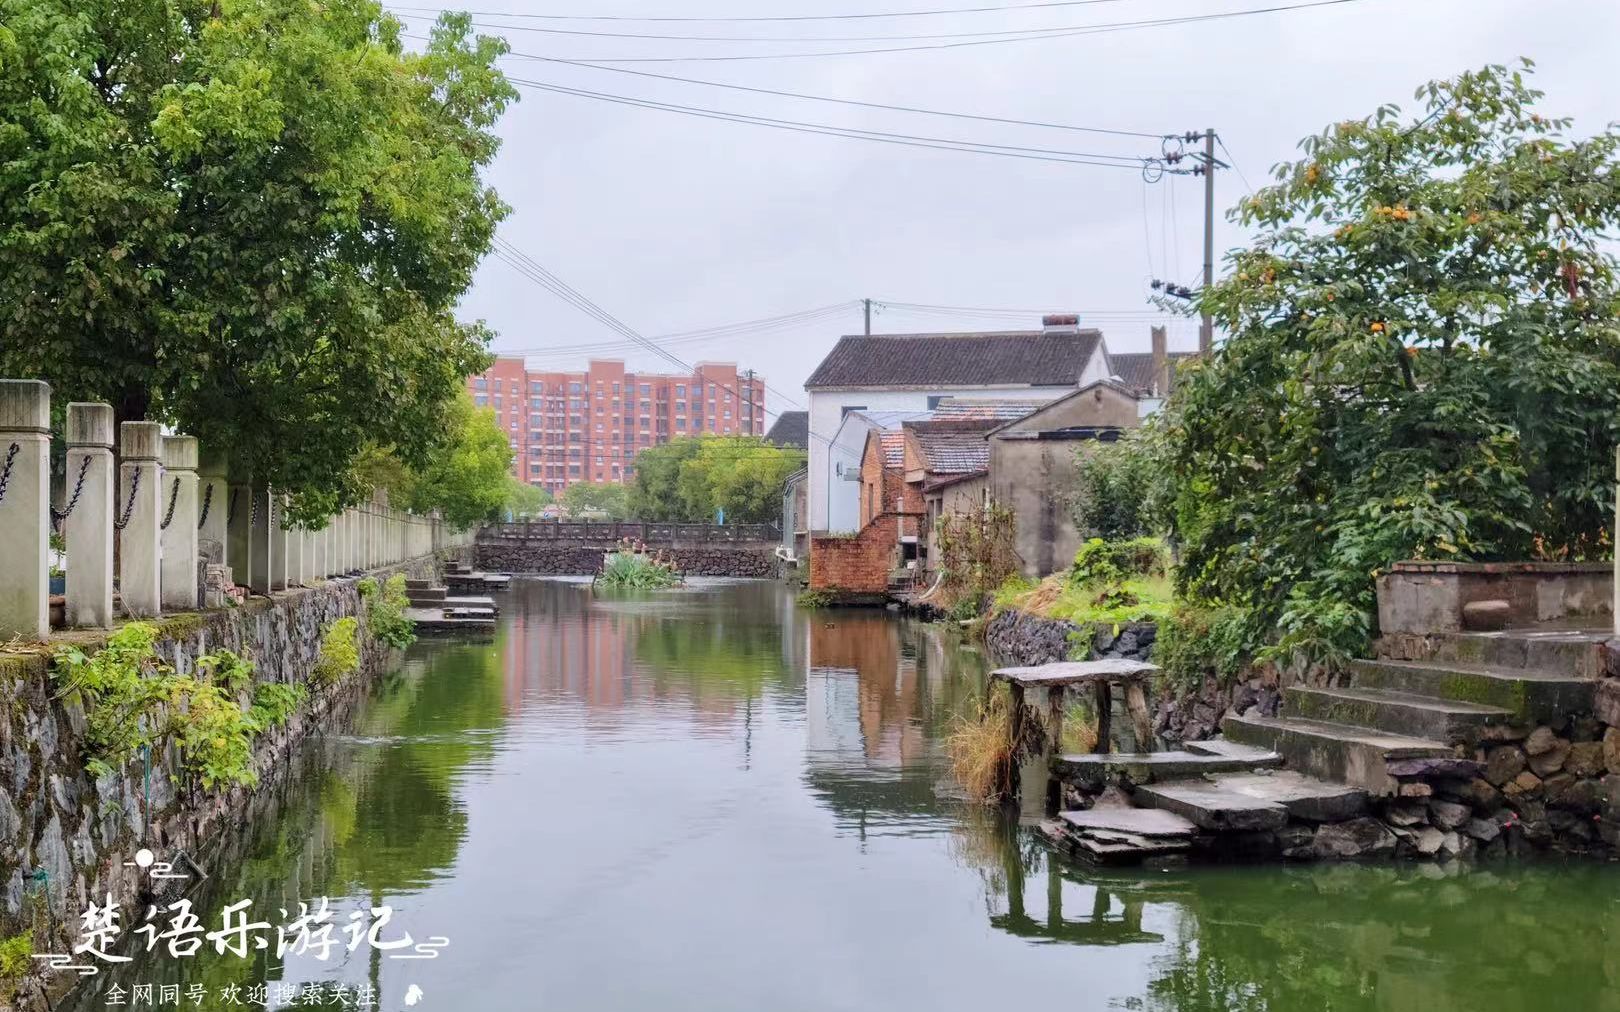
(953, 447)
(999, 358)
(791, 428)
(1135, 369)
(967, 408)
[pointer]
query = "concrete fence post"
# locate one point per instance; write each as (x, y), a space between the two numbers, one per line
(278, 544)
(179, 525)
(259, 539)
(25, 509)
(139, 507)
(238, 514)
(213, 504)
(88, 529)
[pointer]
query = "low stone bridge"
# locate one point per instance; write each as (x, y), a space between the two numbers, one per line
(575, 547)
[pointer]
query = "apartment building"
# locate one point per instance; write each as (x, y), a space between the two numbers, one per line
(569, 427)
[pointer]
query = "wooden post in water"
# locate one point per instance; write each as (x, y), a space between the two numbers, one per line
(1105, 718)
(1136, 704)
(1054, 749)
(1016, 734)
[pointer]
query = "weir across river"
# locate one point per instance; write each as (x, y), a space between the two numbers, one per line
(575, 547)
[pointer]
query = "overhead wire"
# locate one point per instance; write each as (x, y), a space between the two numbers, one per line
(1105, 28)
(781, 17)
(1057, 155)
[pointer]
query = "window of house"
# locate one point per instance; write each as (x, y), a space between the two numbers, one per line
(482, 400)
(497, 386)
(680, 423)
(576, 388)
(680, 390)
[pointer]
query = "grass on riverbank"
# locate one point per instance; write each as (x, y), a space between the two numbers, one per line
(1135, 599)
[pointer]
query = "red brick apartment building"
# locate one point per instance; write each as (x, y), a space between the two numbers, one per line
(568, 427)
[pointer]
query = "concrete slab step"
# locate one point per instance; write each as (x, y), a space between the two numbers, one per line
(1445, 720)
(1573, 653)
(1530, 695)
(1149, 767)
(1148, 822)
(1305, 797)
(1233, 750)
(1212, 807)
(1338, 752)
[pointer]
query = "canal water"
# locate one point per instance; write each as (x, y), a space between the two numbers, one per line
(708, 800)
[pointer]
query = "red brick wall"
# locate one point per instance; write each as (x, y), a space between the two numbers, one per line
(860, 564)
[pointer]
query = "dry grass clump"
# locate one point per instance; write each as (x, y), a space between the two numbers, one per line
(981, 750)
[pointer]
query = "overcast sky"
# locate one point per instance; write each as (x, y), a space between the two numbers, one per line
(674, 223)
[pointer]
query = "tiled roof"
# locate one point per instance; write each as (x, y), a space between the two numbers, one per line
(953, 447)
(965, 408)
(791, 428)
(894, 448)
(1135, 369)
(1000, 358)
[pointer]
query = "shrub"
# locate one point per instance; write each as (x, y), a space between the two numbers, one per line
(135, 703)
(1101, 561)
(815, 599)
(976, 554)
(981, 751)
(340, 654)
(274, 703)
(16, 956)
(385, 611)
(1121, 490)
(1195, 642)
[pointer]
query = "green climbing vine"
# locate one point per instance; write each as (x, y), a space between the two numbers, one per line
(340, 653)
(135, 703)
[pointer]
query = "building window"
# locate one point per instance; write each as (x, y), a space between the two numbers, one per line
(482, 400)
(680, 423)
(575, 388)
(680, 390)
(480, 383)
(497, 386)
(537, 388)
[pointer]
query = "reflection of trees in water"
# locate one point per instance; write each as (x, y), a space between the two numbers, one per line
(1327, 937)
(372, 819)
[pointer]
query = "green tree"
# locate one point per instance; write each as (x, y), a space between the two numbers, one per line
(689, 479)
(1423, 362)
(609, 497)
(249, 218)
(526, 500)
(468, 480)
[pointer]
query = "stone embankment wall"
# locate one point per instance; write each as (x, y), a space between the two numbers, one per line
(549, 558)
(1016, 637)
(65, 835)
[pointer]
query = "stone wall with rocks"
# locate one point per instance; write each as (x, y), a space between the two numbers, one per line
(1019, 638)
(545, 558)
(65, 835)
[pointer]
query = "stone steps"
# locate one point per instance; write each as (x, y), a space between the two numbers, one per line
(1211, 806)
(1530, 695)
(1570, 653)
(1305, 797)
(1405, 713)
(1150, 767)
(1117, 835)
(1352, 755)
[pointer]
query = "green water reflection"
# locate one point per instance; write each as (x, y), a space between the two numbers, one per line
(711, 800)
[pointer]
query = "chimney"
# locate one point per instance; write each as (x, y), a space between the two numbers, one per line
(1060, 323)
(1161, 364)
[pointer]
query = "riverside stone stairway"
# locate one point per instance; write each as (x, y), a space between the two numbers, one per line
(1302, 783)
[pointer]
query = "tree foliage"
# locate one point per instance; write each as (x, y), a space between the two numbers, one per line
(611, 498)
(1423, 362)
(691, 478)
(468, 478)
(249, 218)
(1121, 489)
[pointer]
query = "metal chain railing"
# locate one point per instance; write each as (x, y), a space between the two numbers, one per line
(230, 509)
(208, 500)
(5, 471)
(174, 498)
(122, 521)
(59, 516)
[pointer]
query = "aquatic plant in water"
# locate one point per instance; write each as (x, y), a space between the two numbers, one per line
(632, 567)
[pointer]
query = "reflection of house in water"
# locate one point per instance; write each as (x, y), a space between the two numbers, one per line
(878, 695)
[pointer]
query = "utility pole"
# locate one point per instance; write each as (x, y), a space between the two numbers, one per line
(1206, 328)
(868, 304)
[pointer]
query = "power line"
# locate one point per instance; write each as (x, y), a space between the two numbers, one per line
(1222, 142)
(799, 17)
(843, 101)
(1003, 33)
(879, 136)
(742, 328)
(536, 272)
(1099, 29)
